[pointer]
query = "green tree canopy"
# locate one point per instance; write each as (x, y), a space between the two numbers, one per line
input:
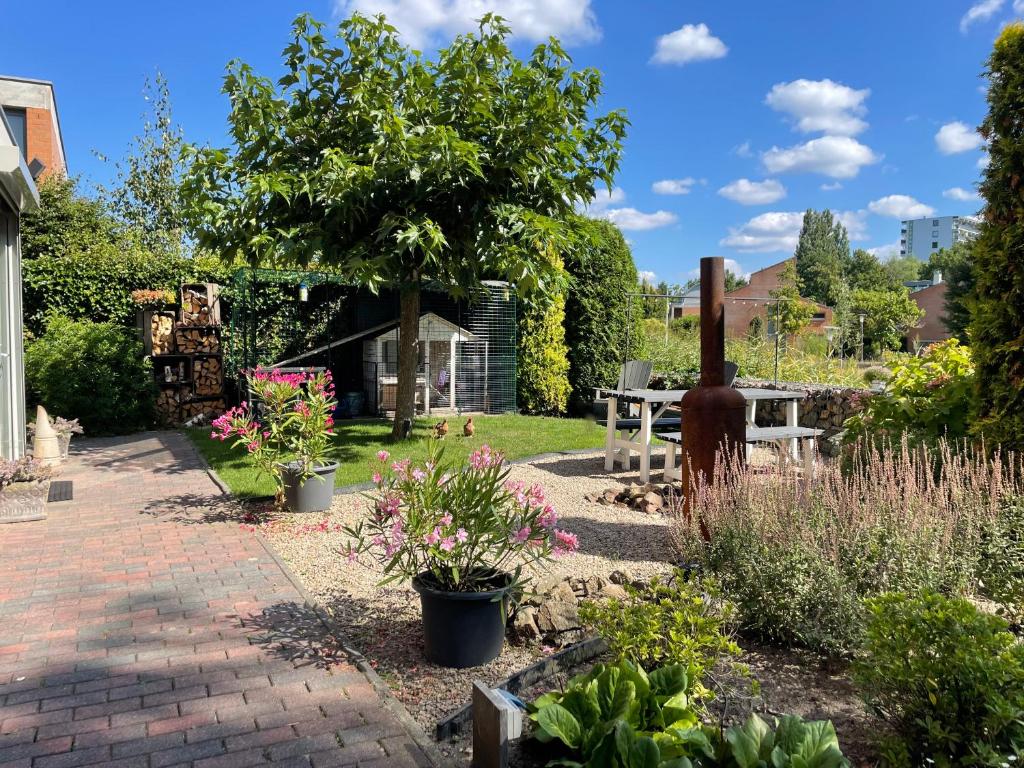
(903, 269)
(888, 315)
(65, 222)
(997, 321)
(793, 312)
(867, 272)
(395, 169)
(822, 256)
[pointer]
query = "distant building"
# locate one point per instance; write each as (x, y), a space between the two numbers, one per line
(752, 300)
(30, 148)
(929, 295)
(921, 238)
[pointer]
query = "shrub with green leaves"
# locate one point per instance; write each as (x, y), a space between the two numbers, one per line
(93, 372)
(677, 621)
(926, 397)
(618, 716)
(542, 366)
(1000, 572)
(599, 331)
(948, 677)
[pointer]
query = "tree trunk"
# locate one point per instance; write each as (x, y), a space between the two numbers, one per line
(408, 359)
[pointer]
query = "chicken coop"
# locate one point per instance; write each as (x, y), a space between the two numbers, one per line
(467, 348)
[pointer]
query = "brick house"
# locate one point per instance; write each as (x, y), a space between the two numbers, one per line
(754, 300)
(30, 148)
(931, 297)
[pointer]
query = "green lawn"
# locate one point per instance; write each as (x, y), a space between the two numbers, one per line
(358, 442)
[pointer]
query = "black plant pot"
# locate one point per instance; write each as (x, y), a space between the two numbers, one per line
(462, 629)
(312, 494)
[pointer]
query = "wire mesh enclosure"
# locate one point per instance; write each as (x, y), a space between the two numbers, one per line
(467, 349)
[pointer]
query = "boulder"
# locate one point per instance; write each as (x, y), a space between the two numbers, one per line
(524, 624)
(557, 616)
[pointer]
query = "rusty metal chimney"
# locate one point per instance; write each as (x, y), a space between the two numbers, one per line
(714, 415)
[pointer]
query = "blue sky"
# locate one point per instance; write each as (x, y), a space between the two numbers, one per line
(747, 112)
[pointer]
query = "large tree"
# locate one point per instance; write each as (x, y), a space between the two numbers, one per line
(822, 255)
(997, 321)
(398, 170)
(888, 315)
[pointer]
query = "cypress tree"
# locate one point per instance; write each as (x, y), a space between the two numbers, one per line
(997, 322)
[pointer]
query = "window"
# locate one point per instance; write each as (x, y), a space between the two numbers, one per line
(818, 316)
(934, 244)
(19, 127)
(935, 222)
(935, 233)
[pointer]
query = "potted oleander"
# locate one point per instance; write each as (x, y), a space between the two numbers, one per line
(287, 433)
(24, 486)
(466, 538)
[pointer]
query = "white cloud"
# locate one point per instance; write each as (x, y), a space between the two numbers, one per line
(691, 42)
(780, 231)
(886, 252)
(957, 137)
(424, 21)
(821, 105)
(900, 207)
(632, 219)
(959, 193)
(747, 192)
(743, 150)
(981, 11)
(832, 187)
(673, 186)
(983, 161)
(647, 275)
(840, 157)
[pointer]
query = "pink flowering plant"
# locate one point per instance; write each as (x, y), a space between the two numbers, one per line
(288, 425)
(462, 529)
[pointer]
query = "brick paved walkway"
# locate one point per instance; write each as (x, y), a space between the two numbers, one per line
(138, 627)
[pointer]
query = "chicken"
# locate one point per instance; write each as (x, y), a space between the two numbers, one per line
(468, 429)
(440, 430)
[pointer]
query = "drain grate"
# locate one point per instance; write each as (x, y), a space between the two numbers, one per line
(60, 490)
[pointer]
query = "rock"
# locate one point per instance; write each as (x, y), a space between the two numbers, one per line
(562, 593)
(593, 585)
(653, 499)
(620, 576)
(610, 496)
(613, 592)
(524, 625)
(558, 616)
(545, 584)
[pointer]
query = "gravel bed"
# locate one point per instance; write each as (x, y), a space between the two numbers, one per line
(384, 622)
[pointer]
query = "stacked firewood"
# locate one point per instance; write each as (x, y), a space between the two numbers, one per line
(161, 333)
(199, 304)
(210, 408)
(208, 376)
(168, 401)
(196, 341)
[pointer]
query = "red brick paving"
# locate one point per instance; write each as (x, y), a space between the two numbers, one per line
(140, 627)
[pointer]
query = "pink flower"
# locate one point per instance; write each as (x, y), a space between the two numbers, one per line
(419, 475)
(548, 517)
(253, 446)
(448, 543)
(461, 535)
(433, 537)
(446, 518)
(383, 455)
(522, 535)
(377, 479)
(565, 542)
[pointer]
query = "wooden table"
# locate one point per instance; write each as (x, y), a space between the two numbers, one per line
(637, 434)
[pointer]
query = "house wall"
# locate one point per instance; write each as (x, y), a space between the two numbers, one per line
(932, 327)
(42, 123)
(12, 363)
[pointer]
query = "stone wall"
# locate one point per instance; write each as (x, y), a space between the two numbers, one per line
(824, 407)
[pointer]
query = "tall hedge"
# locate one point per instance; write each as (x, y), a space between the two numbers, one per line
(542, 371)
(601, 273)
(997, 324)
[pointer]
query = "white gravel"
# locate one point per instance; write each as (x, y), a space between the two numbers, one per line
(384, 623)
